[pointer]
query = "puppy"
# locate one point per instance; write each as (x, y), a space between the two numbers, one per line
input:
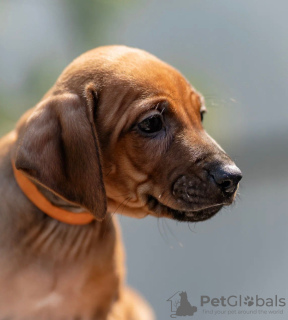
(120, 129)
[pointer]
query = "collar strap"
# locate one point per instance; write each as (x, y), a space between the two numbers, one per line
(37, 198)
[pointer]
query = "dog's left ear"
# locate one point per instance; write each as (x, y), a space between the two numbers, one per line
(59, 148)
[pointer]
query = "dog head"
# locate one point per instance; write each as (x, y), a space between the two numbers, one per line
(121, 118)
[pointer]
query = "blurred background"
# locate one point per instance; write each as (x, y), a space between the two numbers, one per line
(236, 54)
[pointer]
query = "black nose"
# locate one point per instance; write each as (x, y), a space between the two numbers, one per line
(227, 177)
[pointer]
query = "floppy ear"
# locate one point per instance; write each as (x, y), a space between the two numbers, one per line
(59, 148)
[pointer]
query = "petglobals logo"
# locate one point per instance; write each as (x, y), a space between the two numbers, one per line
(183, 304)
(180, 305)
(240, 301)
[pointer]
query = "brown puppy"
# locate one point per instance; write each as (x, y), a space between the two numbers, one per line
(119, 129)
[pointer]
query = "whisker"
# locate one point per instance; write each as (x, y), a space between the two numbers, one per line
(165, 233)
(113, 213)
(123, 205)
(189, 226)
(173, 235)
(160, 231)
(128, 198)
(109, 172)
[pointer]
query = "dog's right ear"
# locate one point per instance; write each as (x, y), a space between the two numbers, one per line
(58, 148)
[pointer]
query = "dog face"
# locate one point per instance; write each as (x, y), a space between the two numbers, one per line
(159, 160)
(146, 122)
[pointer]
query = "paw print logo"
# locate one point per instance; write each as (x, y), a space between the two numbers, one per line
(249, 301)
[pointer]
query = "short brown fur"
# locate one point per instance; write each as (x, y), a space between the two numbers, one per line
(82, 148)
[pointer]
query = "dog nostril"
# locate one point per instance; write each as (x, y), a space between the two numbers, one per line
(227, 178)
(228, 186)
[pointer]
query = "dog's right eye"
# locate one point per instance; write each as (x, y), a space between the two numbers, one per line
(151, 124)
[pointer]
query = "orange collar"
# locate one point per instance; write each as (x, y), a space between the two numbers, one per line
(37, 198)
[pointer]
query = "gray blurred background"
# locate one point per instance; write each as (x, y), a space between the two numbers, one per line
(236, 54)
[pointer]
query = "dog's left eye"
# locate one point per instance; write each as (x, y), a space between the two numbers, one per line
(151, 124)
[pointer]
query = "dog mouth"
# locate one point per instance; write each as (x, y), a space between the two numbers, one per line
(191, 216)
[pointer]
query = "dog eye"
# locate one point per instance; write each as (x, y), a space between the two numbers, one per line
(151, 124)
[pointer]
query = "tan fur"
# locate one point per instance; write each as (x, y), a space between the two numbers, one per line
(81, 147)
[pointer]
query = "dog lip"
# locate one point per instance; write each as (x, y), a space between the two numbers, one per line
(182, 215)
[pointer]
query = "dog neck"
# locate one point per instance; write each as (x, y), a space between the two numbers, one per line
(28, 234)
(41, 201)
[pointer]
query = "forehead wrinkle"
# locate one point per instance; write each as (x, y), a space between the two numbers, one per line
(121, 113)
(163, 80)
(184, 107)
